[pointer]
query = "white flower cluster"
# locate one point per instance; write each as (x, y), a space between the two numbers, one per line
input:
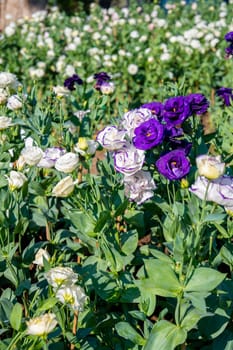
(63, 280)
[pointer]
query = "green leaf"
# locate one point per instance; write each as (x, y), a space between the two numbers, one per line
(47, 304)
(16, 316)
(126, 331)
(204, 279)
(83, 223)
(191, 319)
(129, 241)
(135, 218)
(161, 279)
(214, 217)
(165, 335)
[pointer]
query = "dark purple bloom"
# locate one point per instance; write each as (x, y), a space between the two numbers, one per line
(229, 37)
(102, 76)
(155, 107)
(198, 103)
(226, 95)
(173, 165)
(69, 82)
(148, 134)
(229, 50)
(176, 110)
(173, 132)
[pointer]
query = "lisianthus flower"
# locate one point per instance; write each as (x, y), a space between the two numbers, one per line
(72, 295)
(148, 134)
(229, 50)
(16, 180)
(128, 160)
(198, 103)
(101, 78)
(139, 186)
(229, 37)
(219, 191)
(210, 167)
(106, 87)
(41, 325)
(40, 256)
(226, 94)
(176, 110)
(174, 165)
(155, 107)
(134, 118)
(111, 138)
(74, 79)
(58, 276)
(50, 156)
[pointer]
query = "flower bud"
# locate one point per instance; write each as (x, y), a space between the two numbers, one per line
(210, 167)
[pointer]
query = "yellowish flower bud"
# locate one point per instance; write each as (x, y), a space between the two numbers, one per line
(184, 183)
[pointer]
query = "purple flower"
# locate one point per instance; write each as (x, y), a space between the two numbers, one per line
(148, 134)
(101, 78)
(173, 165)
(229, 37)
(155, 107)
(198, 103)
(176, 110)
(69, 82)
(226, 95)
(229, 51)
(132, 119)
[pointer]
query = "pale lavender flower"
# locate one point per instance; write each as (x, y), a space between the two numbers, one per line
(111, 138)
(219, 191)
(139, 186)
(50, 156)
(129, 160)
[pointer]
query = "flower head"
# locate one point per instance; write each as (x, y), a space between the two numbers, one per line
(72, 295)
(64, 187)
(67, 162)
(16, 180)
(198, 103)
(41, 325)
(173, 165)
(219, 191)
(40, 256)
(155, 107)
(176, 110)
(101, 78)
(71, 81)
(134, 118)
(139, 186)
(226, 94)
(229, 37)
(128, 160)
(111, 138)
(210, 167)
(148, 134)
(32, 155)
(5, 122)
(58, 276)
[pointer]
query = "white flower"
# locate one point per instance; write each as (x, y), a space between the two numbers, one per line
(85, 147)
(64, 187)
(14, 102)
(32, 155)
(40, 256)
(111, 138)
(165, 56)
(134, 34)
(219, 191)
(139, 186)
(72, 295)
(61, 91)
(50, 156)
(132, 69)
(67, 163)
(8, 80)
(41, 325)
(5, 122)
(129, 160)
(16, 180)
(210, 167)
(58, 276)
